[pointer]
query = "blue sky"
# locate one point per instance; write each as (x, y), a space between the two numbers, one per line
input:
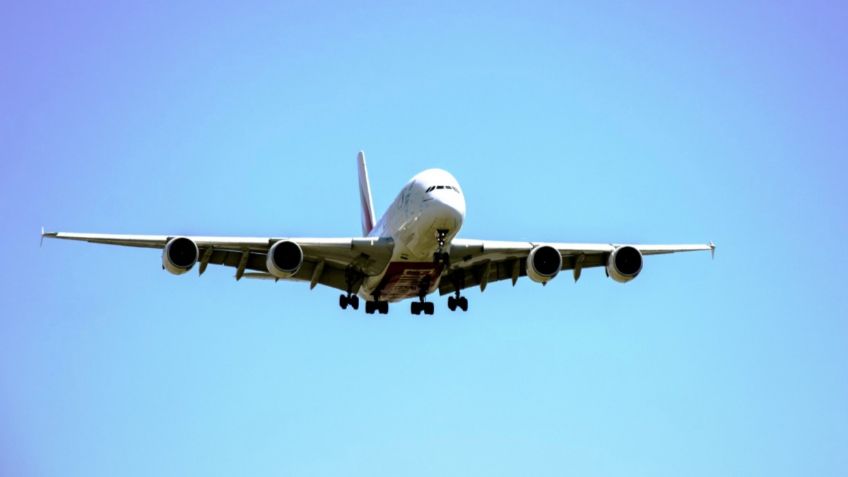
(657, 122)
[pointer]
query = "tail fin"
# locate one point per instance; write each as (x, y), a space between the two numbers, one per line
(365, 196)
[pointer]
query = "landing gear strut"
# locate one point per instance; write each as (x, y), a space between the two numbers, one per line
(441, 256)
(350, 298)
(416, 307)
(458, 280)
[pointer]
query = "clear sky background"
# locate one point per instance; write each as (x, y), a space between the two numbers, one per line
(645, 123)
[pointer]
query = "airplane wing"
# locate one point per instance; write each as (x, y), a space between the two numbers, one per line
(335, 262)
(480, 262)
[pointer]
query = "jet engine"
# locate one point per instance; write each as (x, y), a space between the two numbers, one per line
(179, 255)
(624, 264)
(284, 259)
(543, 263)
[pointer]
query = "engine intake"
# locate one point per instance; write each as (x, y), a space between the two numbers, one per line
(624, 264)
(543, 263)
(284, 259)
(179, 255)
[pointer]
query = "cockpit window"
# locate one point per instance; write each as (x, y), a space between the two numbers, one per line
(442, 187)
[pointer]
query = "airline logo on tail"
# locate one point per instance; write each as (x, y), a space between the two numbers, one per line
(365, 196)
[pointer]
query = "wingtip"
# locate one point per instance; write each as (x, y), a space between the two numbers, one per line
(712, 249)
(46, 234)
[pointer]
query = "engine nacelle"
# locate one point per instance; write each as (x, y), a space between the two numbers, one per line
(179, 255)
(543, 263)
(624, 264)
(284, 259)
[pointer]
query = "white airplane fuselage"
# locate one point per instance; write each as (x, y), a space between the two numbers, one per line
(431, 202)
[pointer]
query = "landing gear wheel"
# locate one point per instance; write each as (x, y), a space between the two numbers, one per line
(458, 302)
(429, 308)
(415, 307)
(383, 307)
(370, 307)
(349, 300)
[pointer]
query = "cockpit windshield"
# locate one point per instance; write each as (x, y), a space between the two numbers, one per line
(440, 187)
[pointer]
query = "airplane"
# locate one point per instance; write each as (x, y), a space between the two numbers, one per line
(411, 252)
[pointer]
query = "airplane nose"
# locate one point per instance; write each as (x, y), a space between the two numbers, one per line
(454, 202)
(448, 211)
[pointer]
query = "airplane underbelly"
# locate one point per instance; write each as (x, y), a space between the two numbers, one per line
(403, 280)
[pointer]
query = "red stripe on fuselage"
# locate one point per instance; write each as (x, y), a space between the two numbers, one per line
(404, 279)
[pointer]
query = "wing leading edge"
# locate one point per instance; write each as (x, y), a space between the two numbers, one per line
(343, 263)
(335, 262)
(480, 262)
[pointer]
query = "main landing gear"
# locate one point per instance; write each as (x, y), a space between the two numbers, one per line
(379, 306)
(353, 280)
(416, 307)
(458, 302)
(349, 300)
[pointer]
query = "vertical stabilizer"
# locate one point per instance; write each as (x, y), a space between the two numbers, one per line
(365, 196)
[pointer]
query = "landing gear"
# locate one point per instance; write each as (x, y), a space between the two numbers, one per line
(379, 306)
(441, 256)
(349, 299)
(353, 280)
(458, 281)
(458, 302)
(416, 307)
(441, 236)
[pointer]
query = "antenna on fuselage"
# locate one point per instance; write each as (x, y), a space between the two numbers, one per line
(365, 195)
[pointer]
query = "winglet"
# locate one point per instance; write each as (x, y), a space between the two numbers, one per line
(712, 249)
(41, 243)
(365, 195)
